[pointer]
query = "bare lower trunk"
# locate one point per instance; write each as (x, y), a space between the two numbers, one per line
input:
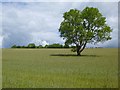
(78, 51)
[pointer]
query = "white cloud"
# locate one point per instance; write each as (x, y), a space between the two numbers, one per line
(113, 19)
(60, 1)
(1, 38)
(49, 37)
(44, 43)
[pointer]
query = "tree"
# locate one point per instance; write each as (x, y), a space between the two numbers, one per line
(31, 45)
(55, 45)
(18, 46)
(82, 27)
(14, 46)
(40, 46)
(46, 46)
(66, 46)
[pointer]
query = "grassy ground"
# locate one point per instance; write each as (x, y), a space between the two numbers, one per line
(60, 68)
(0, 68)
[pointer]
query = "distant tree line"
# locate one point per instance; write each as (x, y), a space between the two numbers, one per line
(32, 45)
(55, 45)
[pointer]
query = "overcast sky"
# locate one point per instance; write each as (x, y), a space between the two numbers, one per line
(38, 22)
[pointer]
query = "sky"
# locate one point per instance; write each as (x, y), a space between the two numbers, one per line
(38, 22)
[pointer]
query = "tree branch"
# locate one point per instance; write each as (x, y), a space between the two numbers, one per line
(83, 47)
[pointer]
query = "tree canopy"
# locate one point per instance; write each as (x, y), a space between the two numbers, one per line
(31, 45)
(82, 27)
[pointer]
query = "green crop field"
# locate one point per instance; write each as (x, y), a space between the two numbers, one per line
(0, 68)
(60, 68)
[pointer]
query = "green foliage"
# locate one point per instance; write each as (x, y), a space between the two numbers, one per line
(40, 46)
(73, 49)
(18, 46)
(55, 45)
(14, 46)
(31, 45)
(46, 46)
(66, 46)
(82, 27)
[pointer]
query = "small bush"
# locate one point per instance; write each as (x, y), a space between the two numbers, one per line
(73, 49)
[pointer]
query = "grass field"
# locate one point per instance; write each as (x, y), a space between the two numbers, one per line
(0, 68)
(60, 68)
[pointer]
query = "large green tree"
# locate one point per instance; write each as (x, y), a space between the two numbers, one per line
(82, 27)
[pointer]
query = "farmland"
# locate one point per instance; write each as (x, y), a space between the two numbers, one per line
(0, 68)
(59, 68)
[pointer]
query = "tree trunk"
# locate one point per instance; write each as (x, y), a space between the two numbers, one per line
(78, 51)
